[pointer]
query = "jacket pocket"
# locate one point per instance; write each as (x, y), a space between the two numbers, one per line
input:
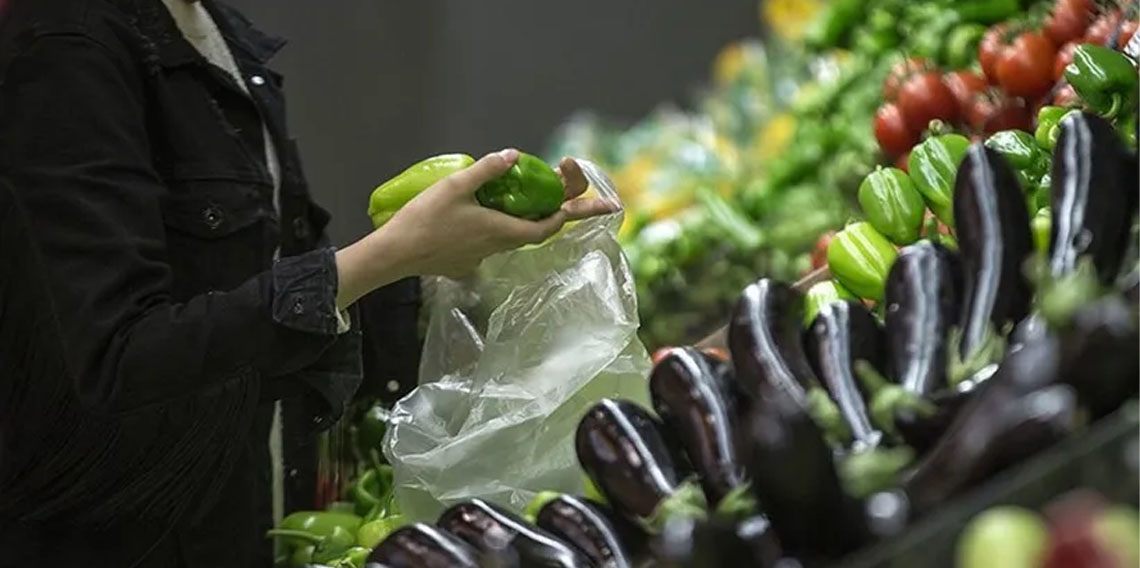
(219, 233)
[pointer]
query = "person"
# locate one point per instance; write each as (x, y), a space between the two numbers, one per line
(175, 326)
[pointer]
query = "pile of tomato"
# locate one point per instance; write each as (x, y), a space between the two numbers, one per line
(1019, 69)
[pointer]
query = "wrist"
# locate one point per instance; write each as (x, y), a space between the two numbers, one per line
(370, 263)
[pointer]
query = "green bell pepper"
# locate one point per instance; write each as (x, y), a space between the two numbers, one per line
(530, 189)
(961, 49)
(302, 556)
(372, 489)
(859, 257)
(325, 547)
(1049, 126)
(374, 532)
(370, 430)
(932, 166)
(892, 205)
(355, 557)
(1104, 78)
(1042, 225)
(822, 294)
(1044, 196)
(1019, 149)
(393, 194)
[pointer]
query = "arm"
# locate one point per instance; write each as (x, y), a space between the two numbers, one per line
(74, 147)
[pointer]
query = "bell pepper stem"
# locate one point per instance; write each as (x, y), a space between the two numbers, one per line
(300, 535)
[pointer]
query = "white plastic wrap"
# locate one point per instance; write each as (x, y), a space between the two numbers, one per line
(512, 360)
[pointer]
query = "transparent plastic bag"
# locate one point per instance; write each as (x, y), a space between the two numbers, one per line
(512, 360)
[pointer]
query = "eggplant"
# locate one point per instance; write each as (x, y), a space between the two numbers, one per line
(1018, 412)
(423, 546)
(922, 303)
(993, 242)
(764, 340)
(921, 431)
(494, 531)
(845, 332)
(698, 410)
(1032, 328)
(1098, 355)
(1094, 197)
(606, 539)
(687, 543)
(621, 448)
(1129, 286)
(793, 476)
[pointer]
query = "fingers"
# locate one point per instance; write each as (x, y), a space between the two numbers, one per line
(520, 231)
(572, 178)
(584, 208)
(486, 169)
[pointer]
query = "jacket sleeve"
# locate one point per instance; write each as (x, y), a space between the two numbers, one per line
(74, 147)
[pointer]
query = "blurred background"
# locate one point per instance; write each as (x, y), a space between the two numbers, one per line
(376, 85)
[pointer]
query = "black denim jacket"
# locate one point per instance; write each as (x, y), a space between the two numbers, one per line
(145, 329)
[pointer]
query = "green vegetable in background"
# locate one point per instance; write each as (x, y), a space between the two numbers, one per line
(374, 532)
(1104, 78)
(530, 189)
(1044, 196)
(892, 205)
(1048, 125)
(961, 48)
(372, 489)
(325, 547)
(1019, 148)
(836, 21)
(355, 557)
(393, 194)
(821, 294)
(1007, 536)
(859, 257)
(985, 11)
(932, 166)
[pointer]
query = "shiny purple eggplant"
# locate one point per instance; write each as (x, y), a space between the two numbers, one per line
(500, 534)
(994, 241)
(423, 546)
(1094, 193)
(764, 339)
(1098, 355)
(922, 305)
(622, 449)
(845, 332)
(687, 543)
(606, 539)
(698, 410)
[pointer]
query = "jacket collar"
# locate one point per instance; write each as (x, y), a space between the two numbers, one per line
(248, 44)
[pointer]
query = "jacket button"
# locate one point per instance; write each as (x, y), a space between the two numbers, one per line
(257, 80)
(300, 228)
(213, 217)
(393, 386)
(298, 307)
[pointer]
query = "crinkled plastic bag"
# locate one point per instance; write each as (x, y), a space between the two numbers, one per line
(512, 360)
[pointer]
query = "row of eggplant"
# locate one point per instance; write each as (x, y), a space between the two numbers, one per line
(801, 446)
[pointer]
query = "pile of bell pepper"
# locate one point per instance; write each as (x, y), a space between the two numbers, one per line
(345, 532)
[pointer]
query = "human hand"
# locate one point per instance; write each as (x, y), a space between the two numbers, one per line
(576, 207)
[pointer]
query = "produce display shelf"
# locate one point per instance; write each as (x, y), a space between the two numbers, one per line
(1105, 459)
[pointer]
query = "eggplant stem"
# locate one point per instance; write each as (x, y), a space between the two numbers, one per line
(825, 414)
(687, 501)
(990, 351)
(867, 472)
(738, 504)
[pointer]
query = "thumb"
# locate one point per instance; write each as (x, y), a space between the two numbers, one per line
(486, 169)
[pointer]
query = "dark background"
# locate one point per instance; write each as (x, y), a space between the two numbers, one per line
(375, 85)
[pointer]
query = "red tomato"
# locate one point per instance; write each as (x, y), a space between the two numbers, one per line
(903, 163)
(1127, 30)
(1102, 28)
(819, 253)
(891, 130)
(988, 50)
(925, 97)
(899, 73)
(1069, 20)
(964, 85)
(992, 111)
(1066, 96)
(1025, 68)
(660, 354)
(1064, 58)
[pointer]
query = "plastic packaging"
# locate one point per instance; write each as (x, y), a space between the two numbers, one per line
(512, 359)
